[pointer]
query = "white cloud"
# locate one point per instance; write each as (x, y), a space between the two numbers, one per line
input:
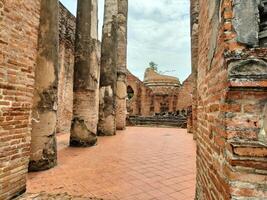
(159, 31)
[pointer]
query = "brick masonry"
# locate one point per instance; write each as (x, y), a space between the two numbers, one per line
(231, 97)
(66, 66)
(231, 137)
(194, 13)
(158, 94)
(121, 90)
(185, 94)
(19, 22)
(141, 103)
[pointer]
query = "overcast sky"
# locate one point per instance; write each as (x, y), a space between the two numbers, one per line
(159, 31)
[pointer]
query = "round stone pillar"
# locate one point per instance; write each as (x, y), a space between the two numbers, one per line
(44, 118)
(86, 76)
(121, 91)
(108, 78)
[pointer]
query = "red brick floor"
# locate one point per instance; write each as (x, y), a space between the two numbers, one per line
(137, 164)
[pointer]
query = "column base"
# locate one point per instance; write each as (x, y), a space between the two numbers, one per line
(74, 142)
(81, 136)
(49, 162)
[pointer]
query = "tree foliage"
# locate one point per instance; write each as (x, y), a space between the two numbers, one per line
(153, 65)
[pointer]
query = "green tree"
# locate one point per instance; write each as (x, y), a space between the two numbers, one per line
(153, 65)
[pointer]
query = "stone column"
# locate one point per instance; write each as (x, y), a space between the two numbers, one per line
(107, 123)
(121, 92)
(194, 13)
(86, 76)
(44, 118)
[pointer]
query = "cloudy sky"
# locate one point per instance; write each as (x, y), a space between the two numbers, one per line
(159, 31)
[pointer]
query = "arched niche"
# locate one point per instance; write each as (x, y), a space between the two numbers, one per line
(130, 92)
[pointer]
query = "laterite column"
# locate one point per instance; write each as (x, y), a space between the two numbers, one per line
(86, 76)
(44, 115)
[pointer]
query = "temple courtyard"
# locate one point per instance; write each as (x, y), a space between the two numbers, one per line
(139, 163)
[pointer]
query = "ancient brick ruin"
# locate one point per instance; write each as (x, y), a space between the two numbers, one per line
(231, 100)
(18, 61)
(54, 77)
(158, 100)
(67, 28)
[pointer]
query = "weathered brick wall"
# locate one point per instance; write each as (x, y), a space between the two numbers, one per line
(19, 21)
(212, 88)
(185, 94)
(141, 102)
(246, 99)
(157, 94)
(232, 82)
(165, 102)
(194, 13)
(149, 100)
(66, 66)
(185, 100)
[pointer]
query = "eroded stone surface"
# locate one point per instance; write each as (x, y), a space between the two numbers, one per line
(121, 91)
(107, 118)
(67, 27)
(246, 21)
(263, 132)
(248, 69)
(44, 114)
(194, 17)
(86, 76)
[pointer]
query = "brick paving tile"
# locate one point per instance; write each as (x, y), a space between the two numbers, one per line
(45, 196)
(139, 163)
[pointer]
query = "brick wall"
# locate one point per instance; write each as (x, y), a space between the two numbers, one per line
(149, 100)
(140, 103)
(194, 13)
(185, 94)
(157, 96)
(66, 66)
(231, 149)
(185, 100)
(19, 21)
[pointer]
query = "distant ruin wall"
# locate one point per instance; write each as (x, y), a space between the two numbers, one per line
(185, 94)
(66, 67)
(159, 102)
(148, 100)
(139, 104)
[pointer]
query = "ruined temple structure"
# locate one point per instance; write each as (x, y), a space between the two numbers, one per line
(50, 69)
(158, 100)
(165, 91)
